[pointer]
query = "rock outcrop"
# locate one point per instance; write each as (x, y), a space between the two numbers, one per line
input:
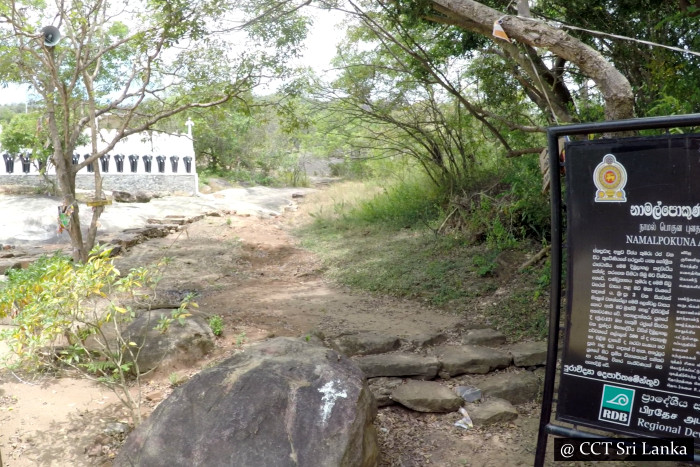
(175, 344)
(283, 402)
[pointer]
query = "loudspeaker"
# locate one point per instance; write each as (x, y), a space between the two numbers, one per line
(51, 35)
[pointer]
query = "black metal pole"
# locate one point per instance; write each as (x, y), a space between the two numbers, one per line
(554, 297)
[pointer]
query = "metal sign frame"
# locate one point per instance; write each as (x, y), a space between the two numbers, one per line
(546, 427)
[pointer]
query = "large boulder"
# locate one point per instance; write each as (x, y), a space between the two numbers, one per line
(283, 402)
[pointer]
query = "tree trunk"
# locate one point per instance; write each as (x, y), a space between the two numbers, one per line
(476, 17)
(65, 175)
(96, 210)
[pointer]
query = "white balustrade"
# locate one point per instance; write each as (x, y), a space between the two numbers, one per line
(138, 154)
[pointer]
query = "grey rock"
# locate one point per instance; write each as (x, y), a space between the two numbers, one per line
(398, 364)
(218, 184)
(527, 354)
(516, 388)
(116, 429)
(365, 343)
(473, 359)
(128, 197)
(487, 337)
(426, 396)
(382, 388)
(427, 340)
(468, 393)
(492, 411)
(179, 344)
(283, 402)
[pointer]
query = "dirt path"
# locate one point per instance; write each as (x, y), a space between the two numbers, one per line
(251, 272)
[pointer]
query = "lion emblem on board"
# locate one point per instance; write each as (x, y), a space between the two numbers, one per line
(610, 178)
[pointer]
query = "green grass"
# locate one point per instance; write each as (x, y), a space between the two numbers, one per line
(408, 263)
(521, 315)
(383, 244)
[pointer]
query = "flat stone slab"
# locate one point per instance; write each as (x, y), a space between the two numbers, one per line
(515, 387)
(398, 364)
(469, 393)
(427, 340)
(365, 343)
(458, 360)
(382, 388)
(492, 411)
(486, 337)
(426, 396)
(529, 354)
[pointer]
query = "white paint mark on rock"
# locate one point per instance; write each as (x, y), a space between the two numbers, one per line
(330, 394)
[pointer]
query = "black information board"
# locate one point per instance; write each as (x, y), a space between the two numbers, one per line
(631, 360)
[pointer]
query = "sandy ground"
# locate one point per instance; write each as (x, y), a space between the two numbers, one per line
(249, 270)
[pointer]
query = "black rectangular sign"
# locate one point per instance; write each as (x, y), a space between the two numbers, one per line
(631, 360)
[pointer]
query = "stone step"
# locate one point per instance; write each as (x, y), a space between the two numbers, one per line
(527, 354)
(426, 396)
(515, 387)
(404, 364)
(457, 360)
(491, 412)
(365, 343)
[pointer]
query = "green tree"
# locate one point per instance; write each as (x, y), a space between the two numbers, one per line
(257, 140)
(26, 133)
(142, 63)
(405, 89)
(7, 111)
(221, 141)
(664, 81)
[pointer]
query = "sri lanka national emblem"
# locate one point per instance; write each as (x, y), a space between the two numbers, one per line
(610, 177)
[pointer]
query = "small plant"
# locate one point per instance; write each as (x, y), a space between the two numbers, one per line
(176, 380)
(228, 221)
(240, 340)
(216, 323)
(485, 265)
(544, 280)
(179, 314)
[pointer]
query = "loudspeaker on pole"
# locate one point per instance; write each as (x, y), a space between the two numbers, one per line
(51, 35)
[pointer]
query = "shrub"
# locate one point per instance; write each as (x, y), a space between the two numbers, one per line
(73, 315)
(216, 323)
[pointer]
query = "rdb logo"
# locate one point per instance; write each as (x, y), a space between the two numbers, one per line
(616, 405)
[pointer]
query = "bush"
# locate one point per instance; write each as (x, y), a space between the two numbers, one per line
(351, 169)
(216, 323)
(507, 206)
(72, 316)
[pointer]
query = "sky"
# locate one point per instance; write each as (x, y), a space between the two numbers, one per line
(319, 50)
